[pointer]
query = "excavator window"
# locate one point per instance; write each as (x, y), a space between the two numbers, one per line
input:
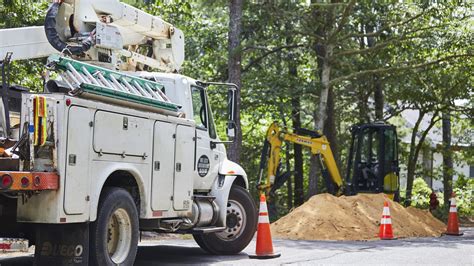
(370, 146)
(373, 159)
(390, 146)
(369, 159)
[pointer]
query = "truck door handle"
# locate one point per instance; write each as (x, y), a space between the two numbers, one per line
(178, 167)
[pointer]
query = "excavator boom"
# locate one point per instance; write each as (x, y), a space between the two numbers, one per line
(318, 145)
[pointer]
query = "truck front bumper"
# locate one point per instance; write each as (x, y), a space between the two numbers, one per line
(15, 181)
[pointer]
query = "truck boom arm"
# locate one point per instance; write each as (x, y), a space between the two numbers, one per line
(116, 30)
(25, 43)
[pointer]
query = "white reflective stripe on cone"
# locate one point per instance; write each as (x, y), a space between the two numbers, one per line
(386, 221)
(386, 211)
(263, 207)
(453, 209)
(453, 201)
(263, 219)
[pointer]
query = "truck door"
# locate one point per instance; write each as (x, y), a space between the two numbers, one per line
(163, 166)
(207, 155)
(183, 167)
(76, 181)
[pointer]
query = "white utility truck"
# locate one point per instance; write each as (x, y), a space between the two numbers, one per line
(107, 150)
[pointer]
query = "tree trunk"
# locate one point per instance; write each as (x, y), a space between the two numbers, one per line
(325, 79)
(297, 149)
(447, 158)
(324, 49)
(235, 69)
(314, 174)
(330, 125)
(362, 100)
(323, 52)
(412, 158)
(415, 149)
(296, 122)
(289, 182)
(378, 99)
(378, 88)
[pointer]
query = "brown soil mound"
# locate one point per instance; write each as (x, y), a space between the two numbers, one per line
(326, 217)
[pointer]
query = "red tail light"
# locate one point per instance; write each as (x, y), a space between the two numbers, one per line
(7, 181)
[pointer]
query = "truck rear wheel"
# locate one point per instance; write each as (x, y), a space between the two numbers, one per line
(114, 235)
(241, 224)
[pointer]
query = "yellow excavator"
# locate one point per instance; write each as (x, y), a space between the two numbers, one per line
(372, 159)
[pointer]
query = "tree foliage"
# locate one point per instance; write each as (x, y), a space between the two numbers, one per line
(321, 65)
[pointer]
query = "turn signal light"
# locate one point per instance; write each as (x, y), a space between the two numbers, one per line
(25, 182)
(7, 181)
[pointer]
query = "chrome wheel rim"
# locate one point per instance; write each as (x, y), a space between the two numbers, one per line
(235, 221)
(119, 236)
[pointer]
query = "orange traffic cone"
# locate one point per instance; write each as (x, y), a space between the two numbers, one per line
(453, 223)
(386, 232)
(264, 248)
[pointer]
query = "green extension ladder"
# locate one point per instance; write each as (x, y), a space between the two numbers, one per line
(81, 77)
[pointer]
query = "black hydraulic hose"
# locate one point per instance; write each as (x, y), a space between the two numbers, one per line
(53, 37)
(263, 161)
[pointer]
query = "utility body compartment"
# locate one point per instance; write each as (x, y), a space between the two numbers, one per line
(93, 140)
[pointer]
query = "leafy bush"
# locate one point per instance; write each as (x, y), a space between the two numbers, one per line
(464, 188)
(421, 194)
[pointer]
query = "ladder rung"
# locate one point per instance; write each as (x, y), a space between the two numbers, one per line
(75, 73)
(163, 95)
(140, 89)
(85, 78)
(66, 79)
(91, 78)
(155, 95)
(131, 89)
(117, 84)
(103, 80)
(75, 82)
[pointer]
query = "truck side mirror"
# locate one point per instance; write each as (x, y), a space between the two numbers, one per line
(231, 114)
(230, 130)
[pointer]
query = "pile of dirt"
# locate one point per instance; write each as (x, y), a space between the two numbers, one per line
(326, 217)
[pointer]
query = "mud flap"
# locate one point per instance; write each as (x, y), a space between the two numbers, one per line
(62, 244)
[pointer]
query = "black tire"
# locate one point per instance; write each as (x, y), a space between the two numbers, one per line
(227, 243)
(115, 205)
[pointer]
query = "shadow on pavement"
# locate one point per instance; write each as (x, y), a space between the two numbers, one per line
(172, 255)
(17, 261)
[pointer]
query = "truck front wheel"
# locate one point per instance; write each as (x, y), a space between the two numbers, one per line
(241, 224)
(114, 235)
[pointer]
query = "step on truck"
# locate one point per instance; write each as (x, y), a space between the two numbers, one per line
(106, 150)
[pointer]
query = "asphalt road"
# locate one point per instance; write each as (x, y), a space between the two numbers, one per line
(446, 250)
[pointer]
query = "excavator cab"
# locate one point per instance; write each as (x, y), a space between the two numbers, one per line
(373, 160)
